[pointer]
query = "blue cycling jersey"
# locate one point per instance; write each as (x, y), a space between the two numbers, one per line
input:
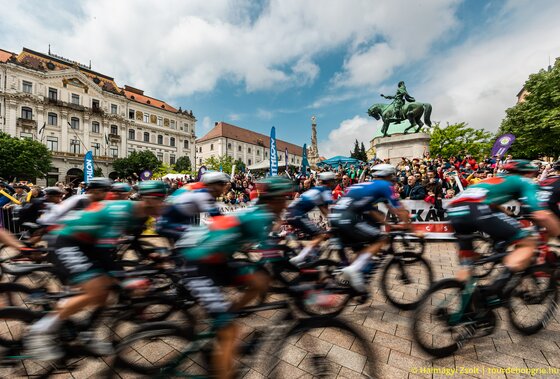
(315, 197)
(363, 197)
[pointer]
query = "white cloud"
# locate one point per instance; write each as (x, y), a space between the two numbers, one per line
(264, 114)
(478, 80)
(341, 140)
(234, 116)
(206, 124)
(177, 48)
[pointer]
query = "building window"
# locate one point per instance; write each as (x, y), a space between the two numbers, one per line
(146, 137)
(52, 143)
(95, 148)
(26, 113)
(229, 146)
(160, 139)
(258, 152)
(211, 146)
(160, 157)
(238, 148)
(186, 144)
(292, 159)
(75, 99)
(52, 118)
(200, 149)
(26, 136)
(114, 129)
(160, 121)
(146, 118)
(249, 162)
(131, 114)
(130, 151)
(75, 123)
(53, 93)
(131, 134)
(27, 86)
(95, 104)
(186, 127)
(114, 151)
(75, 146)
(114, 108)
(172, 124)
(249, 150)
(172, 159)
(95, 127)
(266, 154)
(172, 141)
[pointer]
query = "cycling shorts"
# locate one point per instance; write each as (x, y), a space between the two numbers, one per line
(77, 263)
(302, 223)
(353, 229)
(468, 218)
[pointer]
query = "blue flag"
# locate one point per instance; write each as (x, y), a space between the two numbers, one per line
(273, 153)
(286, 156)
(88, 166)
(304, 162)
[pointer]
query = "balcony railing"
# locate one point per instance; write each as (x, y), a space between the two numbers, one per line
(114, 137)
(26, 123)
(97, 110)
(77, 107)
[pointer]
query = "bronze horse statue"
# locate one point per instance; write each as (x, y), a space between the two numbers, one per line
(410, 111)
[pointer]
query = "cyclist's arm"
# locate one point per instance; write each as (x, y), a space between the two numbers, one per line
(54, 214)
(532, 199)
(7, 239)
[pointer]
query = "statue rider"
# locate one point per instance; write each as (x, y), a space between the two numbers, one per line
(399, 100)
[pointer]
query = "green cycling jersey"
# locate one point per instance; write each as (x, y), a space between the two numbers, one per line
(100, 224)
(501, 189)
(226, 235)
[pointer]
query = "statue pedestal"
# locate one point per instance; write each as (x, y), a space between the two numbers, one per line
(402, 145)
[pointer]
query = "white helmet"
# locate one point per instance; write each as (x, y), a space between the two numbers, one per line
(327, 176)
(214, 177)
(383, 169)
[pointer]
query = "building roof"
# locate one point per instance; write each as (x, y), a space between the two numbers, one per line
(51, 62)
(223, 129)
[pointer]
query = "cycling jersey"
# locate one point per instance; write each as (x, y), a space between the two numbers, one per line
(184, 209)
(315, 197)
(363, 197)
(501, 189)
(53, 215)
(551, 193)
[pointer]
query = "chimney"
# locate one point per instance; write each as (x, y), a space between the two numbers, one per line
(215, 123)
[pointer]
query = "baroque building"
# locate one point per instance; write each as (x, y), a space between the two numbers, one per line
(244, 144)
(73, 109)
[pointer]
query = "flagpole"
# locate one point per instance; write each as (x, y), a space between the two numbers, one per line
(78, 137)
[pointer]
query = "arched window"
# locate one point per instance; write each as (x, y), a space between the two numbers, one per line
(75, 123)
(114, 129)
(26, 113)
(160, 139)
(95, 127)
(186, 144)
(53, 118)
(131, 134)
(211, 146)
(172, 141)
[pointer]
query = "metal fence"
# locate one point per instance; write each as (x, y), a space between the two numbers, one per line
(9, 219)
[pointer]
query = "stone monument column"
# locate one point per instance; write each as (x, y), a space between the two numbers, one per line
(313, 150)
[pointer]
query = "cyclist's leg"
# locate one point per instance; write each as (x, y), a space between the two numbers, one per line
(463, 219)
(304, 224)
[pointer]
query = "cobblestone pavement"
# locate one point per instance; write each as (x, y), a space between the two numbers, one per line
(500, 355)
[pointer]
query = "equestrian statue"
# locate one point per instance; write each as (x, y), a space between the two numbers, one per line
(403, 107)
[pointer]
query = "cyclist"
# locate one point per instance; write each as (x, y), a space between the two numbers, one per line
(33, 209)
(321, 197)
(479, 208)
(186, 205)
(97, 189)
(356, 221)
(119, 191)
(551, 186)
(209, 251)
(83, 243)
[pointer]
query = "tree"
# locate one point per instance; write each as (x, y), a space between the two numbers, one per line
(535, 122)
(183, 164)
(356, 152)
(23, 158)
(163, 170)
(97, 172)
(239, 165)
(363, 154)
(135, 163)
(223, 161)
(458, 139)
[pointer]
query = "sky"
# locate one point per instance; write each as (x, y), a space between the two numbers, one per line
(277, 63)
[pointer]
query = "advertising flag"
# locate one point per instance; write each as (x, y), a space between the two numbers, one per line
(273, 153)
(502, 144)
(286, 156)
(88, 166)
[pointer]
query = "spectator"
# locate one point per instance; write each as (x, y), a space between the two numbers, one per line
(413, 190)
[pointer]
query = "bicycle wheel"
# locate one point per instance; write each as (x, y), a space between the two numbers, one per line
(405, 279)
(308, 350)
(18, 295)
(534, 300)
(152, 348)
(409, 243)
(431, 326)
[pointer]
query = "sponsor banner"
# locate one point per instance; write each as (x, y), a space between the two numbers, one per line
(273, 153)
(502, 144)
(433, 222)
(88, 166)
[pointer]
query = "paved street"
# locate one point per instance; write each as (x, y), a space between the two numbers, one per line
(387, 329)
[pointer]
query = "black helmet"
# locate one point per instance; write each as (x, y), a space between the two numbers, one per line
(99, 183)
(556, 165)
(53, 191)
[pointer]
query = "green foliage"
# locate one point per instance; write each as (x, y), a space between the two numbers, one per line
(459, 139)
(135, 163)
(359, 152)
(163, 170)
(23, 158)
(225, 161)
(536, 121)
(183, 165)
(239, 166)
(97, 172)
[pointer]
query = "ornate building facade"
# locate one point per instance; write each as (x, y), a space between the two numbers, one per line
(248, 146)
(73, 109)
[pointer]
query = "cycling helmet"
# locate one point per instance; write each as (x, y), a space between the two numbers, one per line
(556, 165)
(520, 166)
(274, 186)
(53, 191)
(383, 169)
(327, 176)
(99, 183)
(121, 187)
(152, 188)
(215, 177)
